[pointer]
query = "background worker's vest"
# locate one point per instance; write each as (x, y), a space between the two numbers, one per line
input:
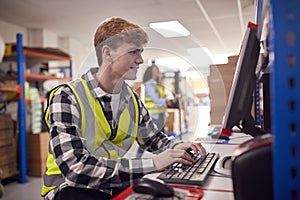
(96, 130)
(152, 107)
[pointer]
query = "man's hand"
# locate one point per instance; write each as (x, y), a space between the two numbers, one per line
(197, 148)
(171, 156)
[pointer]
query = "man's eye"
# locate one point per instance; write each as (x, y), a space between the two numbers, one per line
(135, 51)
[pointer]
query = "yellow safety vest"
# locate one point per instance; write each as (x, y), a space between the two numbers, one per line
(152, 107)
(97, 141)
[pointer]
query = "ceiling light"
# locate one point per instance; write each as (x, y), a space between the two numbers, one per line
(170, 29)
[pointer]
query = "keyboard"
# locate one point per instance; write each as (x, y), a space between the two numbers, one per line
(194, 174)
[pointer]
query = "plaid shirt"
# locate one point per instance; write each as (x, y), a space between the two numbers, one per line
(79, 167)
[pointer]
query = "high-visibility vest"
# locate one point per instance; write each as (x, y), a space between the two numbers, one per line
(152, 107)
(98, 141)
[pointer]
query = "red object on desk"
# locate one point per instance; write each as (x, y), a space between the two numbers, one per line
(194, 193)
(226, 131)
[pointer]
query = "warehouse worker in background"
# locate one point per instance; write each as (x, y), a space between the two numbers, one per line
(94, 120)
(155, 98)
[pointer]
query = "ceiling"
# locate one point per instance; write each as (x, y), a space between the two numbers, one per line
(218, 25)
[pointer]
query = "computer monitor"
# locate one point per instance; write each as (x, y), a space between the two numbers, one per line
(239, 105)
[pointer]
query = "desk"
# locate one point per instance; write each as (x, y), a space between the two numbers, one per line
(217, 187)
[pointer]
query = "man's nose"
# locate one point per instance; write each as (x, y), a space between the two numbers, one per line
(139, 59)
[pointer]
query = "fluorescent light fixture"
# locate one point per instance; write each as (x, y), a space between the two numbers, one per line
(170, 29)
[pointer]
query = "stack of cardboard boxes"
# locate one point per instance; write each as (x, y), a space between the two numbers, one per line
(219, 83)
(8, 147)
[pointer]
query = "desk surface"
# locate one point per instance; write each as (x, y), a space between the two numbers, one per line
(217, 187)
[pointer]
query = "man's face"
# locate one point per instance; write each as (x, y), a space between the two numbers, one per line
(126, 60)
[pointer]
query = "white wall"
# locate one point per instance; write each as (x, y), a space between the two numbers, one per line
(46, 38)
(42, 38)
(9, 32)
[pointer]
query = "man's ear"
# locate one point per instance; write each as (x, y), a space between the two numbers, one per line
(106, 53)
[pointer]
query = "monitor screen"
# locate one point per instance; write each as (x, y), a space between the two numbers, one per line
(239, 105)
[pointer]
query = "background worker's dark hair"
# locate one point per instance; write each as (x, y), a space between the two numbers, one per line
(148, 73)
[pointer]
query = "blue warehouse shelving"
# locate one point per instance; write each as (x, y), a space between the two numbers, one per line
(284, 43)
(21, 56)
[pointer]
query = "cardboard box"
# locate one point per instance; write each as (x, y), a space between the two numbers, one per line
(6, 137)
(37, 151)
(8, 170)
(6, 121)
(172, 121)
(219, 82)
(8, 147)
(8, 154)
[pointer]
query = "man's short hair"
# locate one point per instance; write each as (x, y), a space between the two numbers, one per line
(113, 31)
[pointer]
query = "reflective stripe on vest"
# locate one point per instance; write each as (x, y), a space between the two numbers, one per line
(152, 107)
(97, 141)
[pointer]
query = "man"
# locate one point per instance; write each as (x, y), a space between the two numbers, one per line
(94, 120)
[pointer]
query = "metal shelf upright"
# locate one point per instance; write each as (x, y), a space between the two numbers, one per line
(22, 111)
(284, 40)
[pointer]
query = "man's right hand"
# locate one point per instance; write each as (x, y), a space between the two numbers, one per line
(171, 156)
